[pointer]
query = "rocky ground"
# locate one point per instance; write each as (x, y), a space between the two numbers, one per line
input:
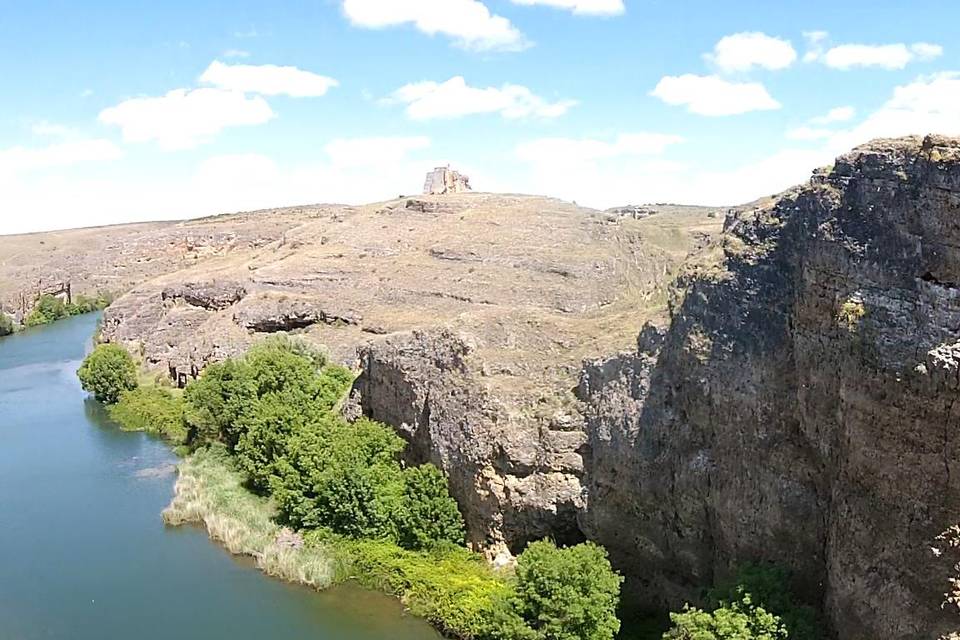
(115, 258)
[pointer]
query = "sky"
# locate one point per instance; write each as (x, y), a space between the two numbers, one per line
(119, 111)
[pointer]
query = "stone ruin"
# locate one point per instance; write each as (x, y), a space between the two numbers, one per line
(445, 180)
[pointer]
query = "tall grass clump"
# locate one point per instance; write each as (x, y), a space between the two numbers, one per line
(210, 492)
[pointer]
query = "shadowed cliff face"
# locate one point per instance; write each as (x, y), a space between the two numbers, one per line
(801, 406)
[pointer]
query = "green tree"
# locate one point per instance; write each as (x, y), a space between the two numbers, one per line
(344, 477)
(564, 594)
(215, 402)
(108, 372)
(429, 516)
(6, 324)
(47, 309)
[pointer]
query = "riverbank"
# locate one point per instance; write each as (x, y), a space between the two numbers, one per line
(452, 588)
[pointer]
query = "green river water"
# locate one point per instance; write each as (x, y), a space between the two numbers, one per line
(84, 554)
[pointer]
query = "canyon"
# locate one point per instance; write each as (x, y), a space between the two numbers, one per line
(693, 388)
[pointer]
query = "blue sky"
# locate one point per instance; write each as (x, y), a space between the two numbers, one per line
(118, 111)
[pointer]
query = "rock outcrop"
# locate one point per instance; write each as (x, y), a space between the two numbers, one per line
(801, 407)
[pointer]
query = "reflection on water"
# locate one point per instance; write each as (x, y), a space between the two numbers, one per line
(85, 553)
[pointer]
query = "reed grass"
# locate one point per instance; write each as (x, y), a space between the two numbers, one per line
(210, 492)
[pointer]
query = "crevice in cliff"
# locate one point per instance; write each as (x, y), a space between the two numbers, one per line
(932, 279)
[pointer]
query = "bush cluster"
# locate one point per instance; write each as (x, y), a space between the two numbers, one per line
(152, 409)
(274, 409)
(51, 308)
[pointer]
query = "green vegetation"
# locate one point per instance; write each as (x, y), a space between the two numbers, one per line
(6, 324)
(51, 308)
(756, 604)
(47, 309)
(269, 422)
(566, 594)
(152, 409)
(108, 372)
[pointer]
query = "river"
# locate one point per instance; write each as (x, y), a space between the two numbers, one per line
(84, 554)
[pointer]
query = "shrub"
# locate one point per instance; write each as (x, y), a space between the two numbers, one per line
(564, 594)
(429, 516)
(108, 372)
(740, 620)
(756, 603)
(768, 586)
(47, 309)
(84, 304)
(6, 324)
(453, 588)
(151, 409)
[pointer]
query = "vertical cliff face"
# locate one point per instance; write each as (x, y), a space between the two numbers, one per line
(801, 406)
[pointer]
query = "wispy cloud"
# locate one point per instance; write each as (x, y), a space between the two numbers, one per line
(469, 22)
(267, 79)
(581, 7)
(455, 98)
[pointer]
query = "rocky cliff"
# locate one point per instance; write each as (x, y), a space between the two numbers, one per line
(468, 315)
(801, 404)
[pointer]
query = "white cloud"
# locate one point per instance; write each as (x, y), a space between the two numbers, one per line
(837, 114)
(810, 133)
(819, 131)
(267, 79)
(468, 22)
(554, 151)
(356, 171)
(183, 119)
(582, 7)
(360, 152)
(929, 104)
(885, 56)
(743, 51)
(23, 159)
(44, 128)
(815, 41)
(713, 96)
(602, 178)
(455, 98)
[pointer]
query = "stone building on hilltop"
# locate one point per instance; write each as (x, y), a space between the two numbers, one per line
(445, 180)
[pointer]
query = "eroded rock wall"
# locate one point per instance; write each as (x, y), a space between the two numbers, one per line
(801, 406)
